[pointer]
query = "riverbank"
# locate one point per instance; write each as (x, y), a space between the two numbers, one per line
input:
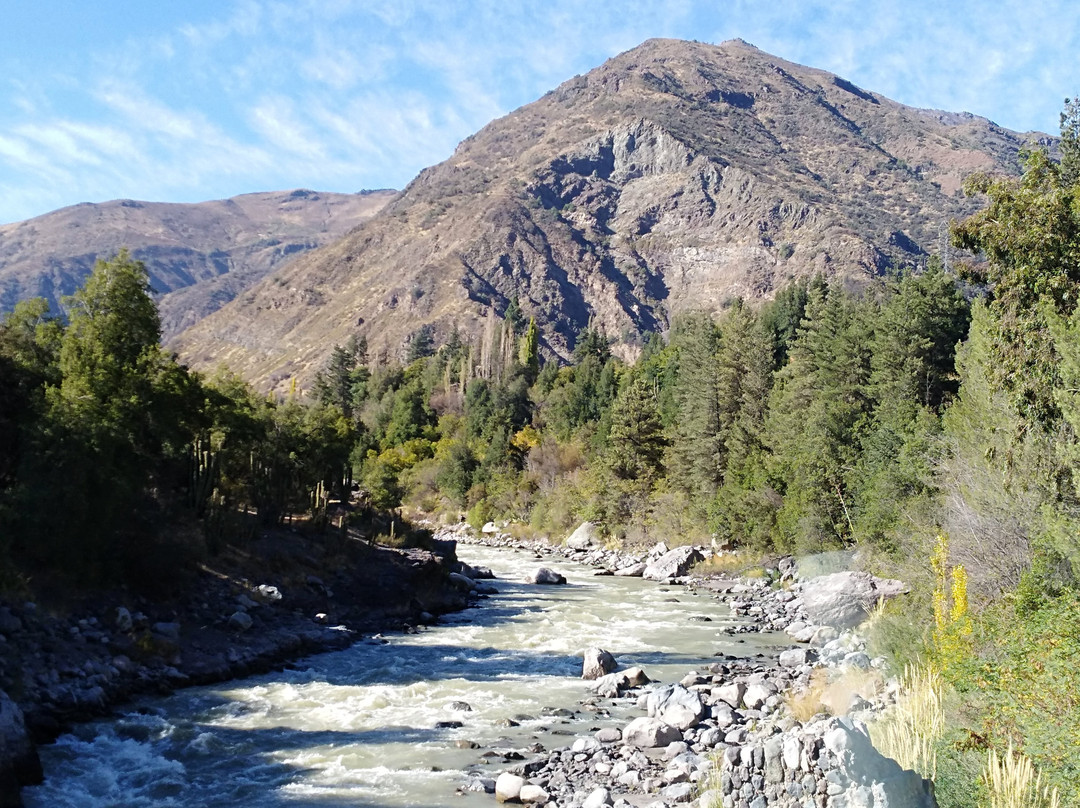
(281, 598)
(789, 729)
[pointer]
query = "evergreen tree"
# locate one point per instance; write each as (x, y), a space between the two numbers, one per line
(697, 450)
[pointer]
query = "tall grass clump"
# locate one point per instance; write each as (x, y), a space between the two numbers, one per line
(1012, 782)
(909, 732)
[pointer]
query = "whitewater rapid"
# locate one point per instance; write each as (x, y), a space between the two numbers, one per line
(377, 724)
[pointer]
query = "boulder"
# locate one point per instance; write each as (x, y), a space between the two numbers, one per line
(123, 621)
(633, 571)
(597, 662)
(676, 706)
(19, 763)
(240, 621)
(508, 787)
(462, 582)
(587, 535)
(268, 593)
(794, 657)
(649, 733)
(489, 528)
(731, 694)
(546, 576)
(598, 798)
(757, 693)
(844, 599)
(672, 564)
(868, 771)
(170, 631)
(636, 677)
(532, 795)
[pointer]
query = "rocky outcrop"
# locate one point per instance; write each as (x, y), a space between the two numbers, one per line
(547, 576)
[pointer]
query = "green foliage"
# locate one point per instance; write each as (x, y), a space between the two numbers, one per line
(1030, 235)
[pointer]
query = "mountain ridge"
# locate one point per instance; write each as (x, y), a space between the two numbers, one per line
(199, 255)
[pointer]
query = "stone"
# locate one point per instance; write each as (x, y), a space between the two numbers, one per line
(844, 599)
(731, 694)
(673, 564)
(462, 582)
(794, 657)
(587, 745)
(757, 693)
(632, 571)
(268, 593)
(636, 677)
(608, 735)
(170, 631)
(800, 631)
(649, 733)
(676, 706)
(489, 528)
(546, 576)
(122, 619)
(531, 794)
(586, 535)
(823, 635)
(596, 663)
(19, 763)
(598, 798)
(240, 621)
(508, 787)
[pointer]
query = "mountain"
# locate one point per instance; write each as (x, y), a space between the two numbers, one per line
(200, 256)
(675, 176)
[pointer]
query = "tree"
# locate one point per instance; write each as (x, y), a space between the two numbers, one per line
(636, 442)
(345, 371)
(697, 450)
(816, 420)
(530, 351)
(1030, 235)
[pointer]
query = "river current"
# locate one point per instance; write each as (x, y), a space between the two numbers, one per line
(361, 727)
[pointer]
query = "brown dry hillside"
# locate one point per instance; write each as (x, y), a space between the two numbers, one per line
(675, 176)
(200, 256)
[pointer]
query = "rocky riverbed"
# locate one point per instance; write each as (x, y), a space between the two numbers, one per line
(787, 730)
(60, 666)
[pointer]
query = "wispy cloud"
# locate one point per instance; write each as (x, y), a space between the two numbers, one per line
(346, 94)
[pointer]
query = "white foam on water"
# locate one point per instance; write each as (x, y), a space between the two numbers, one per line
(360, 725)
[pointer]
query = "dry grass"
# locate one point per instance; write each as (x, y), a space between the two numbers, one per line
(742, 563)
(831, 696)
(909, 732)
(805, 704)
(1013, 782)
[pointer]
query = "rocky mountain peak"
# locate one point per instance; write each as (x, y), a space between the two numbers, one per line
(675, 176)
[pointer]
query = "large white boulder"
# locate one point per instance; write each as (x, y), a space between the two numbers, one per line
(673, 564)
(508, 787)
(585, 536)
(870, 778)
(649, 733)
(676, 706)
(844, 599)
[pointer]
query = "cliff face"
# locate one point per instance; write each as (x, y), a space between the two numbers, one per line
(200, 256)
(675, 176)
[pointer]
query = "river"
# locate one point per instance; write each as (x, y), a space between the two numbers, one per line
(359, 727)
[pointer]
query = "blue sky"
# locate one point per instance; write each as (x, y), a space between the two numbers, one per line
(193, 100)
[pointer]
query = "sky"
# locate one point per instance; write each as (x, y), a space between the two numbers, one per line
(206, 99)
